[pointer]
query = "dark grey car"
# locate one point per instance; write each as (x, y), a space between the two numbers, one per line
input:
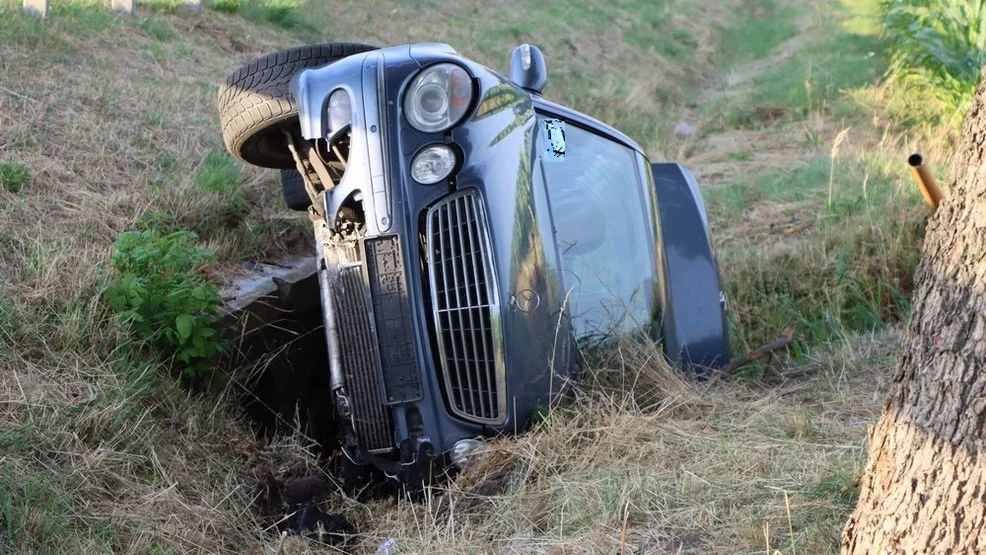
(471, 233)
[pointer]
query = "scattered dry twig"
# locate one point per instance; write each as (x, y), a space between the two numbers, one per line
(18, 95)
(783, 340)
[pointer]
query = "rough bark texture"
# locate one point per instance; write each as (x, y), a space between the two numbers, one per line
(924, 488)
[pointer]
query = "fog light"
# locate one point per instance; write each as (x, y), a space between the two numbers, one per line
(464, 451)
(340, 110)
(433, 164)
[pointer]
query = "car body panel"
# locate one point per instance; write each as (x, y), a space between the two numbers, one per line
(499, 160)
(694, 325)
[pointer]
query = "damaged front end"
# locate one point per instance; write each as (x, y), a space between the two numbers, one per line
(468, 231)
(418, 163)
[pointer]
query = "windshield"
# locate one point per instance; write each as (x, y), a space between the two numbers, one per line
(597, 206)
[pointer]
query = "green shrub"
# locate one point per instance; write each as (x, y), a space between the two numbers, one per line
(13, 176)
(159, 293)
(936, 50)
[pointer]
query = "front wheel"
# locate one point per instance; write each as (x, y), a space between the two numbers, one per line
(255, 105)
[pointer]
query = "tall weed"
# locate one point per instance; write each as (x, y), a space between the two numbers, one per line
(936, 52)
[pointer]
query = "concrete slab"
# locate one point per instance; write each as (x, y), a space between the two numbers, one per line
(124, 6)
(36, 8)
(270, 292)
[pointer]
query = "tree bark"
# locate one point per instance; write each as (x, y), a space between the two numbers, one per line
(924, 487)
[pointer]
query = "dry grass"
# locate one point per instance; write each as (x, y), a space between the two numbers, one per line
(101, 449)
(646, 462)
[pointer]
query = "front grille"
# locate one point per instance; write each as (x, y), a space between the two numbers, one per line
(371, 419)
(465, 308)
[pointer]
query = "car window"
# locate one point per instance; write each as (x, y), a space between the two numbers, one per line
(594, 192)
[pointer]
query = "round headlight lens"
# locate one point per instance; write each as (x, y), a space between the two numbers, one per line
(438, 97)
(340, 110)
(432, 164)
(464, 452)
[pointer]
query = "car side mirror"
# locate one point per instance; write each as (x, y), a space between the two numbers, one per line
(527, 68)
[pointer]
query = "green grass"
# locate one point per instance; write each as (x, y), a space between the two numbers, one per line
(788, 252)
(833, 269)
(37, 508)
(103, 450)
(157, 28)
(86, 15)
(766, 24)
(283, 13)
(219, 174)
(13, 176)
(815, 77)
(937, 49)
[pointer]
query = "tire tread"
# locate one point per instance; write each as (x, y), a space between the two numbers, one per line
(255, 97)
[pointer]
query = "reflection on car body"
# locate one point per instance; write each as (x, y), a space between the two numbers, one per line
(470, 233)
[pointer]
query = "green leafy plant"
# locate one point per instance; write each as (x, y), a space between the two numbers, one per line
(13, 176)
(936, 49)
(166, 302)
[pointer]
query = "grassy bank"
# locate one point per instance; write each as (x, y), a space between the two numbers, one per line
(108, 124)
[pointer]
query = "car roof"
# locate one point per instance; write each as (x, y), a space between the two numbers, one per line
(557, 110)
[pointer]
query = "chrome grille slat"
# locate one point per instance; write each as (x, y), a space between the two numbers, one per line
(480, 289)
(465, 309)
(471, 302)
(458, 261)
(448, 311)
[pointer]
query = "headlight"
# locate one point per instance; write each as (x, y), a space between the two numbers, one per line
(340, 110)
(464, 452)
(432, 164)
(438, 97)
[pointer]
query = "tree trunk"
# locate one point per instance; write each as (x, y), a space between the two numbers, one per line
(924, 488)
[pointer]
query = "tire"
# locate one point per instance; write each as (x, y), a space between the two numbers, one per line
(293, 187)
(255, 104)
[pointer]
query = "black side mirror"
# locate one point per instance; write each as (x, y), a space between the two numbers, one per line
(527, 68)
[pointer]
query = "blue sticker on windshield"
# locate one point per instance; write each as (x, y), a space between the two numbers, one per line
(553, 133)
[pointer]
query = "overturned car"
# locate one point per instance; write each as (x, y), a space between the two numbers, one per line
(470, 234)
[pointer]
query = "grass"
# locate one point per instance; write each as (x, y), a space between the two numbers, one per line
(937, 51)
(770, 24)
(157, 28)
(102, 449)
(282, 13)
(834, 268)
(692, 469)
(13, 176)
(806, 73)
